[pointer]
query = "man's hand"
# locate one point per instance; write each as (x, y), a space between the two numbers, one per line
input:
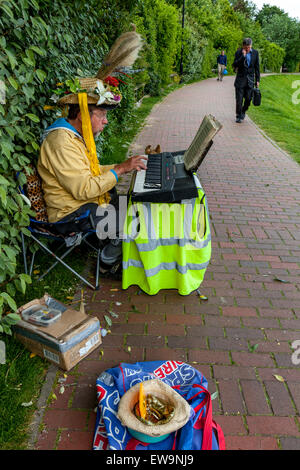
(138, 162)
(257, 84)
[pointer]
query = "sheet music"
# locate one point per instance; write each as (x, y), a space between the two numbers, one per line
(209, 127)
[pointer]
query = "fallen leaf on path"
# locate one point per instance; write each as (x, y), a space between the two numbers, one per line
(113, 314)
(279, 378)
(108, 320)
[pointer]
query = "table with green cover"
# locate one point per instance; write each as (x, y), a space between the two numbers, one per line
(167, 246)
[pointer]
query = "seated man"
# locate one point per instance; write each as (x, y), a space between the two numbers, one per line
(73, 180)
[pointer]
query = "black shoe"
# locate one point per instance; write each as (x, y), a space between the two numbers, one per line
(113, 272)
(243, 115)
(238, 119)
(112, 252)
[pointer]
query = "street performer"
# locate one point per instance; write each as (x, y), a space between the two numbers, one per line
(73, 181)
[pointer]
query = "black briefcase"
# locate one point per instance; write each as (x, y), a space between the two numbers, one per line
(256, 97)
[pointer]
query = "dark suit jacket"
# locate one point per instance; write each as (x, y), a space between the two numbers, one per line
(246, 76)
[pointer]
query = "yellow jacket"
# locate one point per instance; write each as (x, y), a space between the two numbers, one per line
(66, 176)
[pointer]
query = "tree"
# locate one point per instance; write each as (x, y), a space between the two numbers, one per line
(266, 14)
(246, 7)
(284, 31)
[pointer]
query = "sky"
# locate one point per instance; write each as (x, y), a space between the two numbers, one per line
(291, 7)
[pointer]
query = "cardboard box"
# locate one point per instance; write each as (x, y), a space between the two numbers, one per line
(67, 341)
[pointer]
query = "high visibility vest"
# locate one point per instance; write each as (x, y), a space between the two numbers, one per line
(167, 246)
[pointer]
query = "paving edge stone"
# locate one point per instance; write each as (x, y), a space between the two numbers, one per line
(34, 427)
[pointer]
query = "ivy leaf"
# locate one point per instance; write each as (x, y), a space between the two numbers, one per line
(41, 74)
(7, 148)
(9, 300)
(12, 58)
(3, 196)
(26, 278)
(30, 54)
(12, 318)
(38, 50)
(23, 285)
(28, 61)
(7, 10)
(2, 42)
(13, 83)
(35, 145)
(10, 252)
(33, 117)
(4, 181)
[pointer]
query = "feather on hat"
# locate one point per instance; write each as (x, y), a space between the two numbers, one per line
(123, 53)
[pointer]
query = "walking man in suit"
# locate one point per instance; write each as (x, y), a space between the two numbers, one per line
(246, 64)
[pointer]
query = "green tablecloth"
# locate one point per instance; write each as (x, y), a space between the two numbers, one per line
(167, 246)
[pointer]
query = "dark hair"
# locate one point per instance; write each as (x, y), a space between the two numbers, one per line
(247, 42)
(74, 109)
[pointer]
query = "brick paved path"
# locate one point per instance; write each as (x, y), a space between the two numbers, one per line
(241, 337)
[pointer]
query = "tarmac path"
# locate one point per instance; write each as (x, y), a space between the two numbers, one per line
(241, 337)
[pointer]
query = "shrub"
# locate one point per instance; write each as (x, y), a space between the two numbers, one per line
(272, 57)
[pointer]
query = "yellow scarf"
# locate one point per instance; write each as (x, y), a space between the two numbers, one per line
(90, 142)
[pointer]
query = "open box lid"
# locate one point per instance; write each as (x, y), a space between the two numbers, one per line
(69, 320)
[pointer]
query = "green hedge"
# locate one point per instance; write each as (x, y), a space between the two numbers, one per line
(41, 43)
(272, 57)
(158, 22)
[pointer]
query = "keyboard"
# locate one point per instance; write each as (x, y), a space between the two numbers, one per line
(165, 180)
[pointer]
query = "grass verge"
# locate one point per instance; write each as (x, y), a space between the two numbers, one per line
(279, 113)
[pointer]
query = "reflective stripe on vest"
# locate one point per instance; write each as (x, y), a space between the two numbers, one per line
(167, 266)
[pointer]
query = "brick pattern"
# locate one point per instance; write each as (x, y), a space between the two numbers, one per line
(241, 338)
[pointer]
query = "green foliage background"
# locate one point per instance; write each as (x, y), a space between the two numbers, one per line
(43, 42)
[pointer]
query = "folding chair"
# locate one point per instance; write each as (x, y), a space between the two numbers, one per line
(41, 229)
